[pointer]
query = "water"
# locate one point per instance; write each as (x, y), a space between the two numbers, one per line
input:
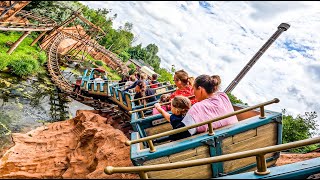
(28, 104)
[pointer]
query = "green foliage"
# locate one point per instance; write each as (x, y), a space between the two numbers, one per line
(147, 54)
(124, 56)
(299, 128)
(165, 75)
(42, 57)
(99, 63)
(117, 41)
(112, 75)
(234, 99)
(132, 68)
(24, 52)
(25, 65)
(4, 60)
(56, 10)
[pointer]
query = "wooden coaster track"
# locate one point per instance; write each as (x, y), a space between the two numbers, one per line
(105, 107)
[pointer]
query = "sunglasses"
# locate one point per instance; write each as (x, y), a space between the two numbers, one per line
(175, 80)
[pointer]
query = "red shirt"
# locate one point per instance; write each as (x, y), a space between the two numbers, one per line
(185, 91)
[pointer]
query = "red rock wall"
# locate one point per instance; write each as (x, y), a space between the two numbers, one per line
(76, 148)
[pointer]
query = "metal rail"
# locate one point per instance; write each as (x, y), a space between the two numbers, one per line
(208, 122)
(282, 27)
(259, 153)
(150, 107)
(146, 97)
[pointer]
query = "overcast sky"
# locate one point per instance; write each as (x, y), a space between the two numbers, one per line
(220, 37)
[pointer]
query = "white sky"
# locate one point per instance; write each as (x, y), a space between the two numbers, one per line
(221, 37)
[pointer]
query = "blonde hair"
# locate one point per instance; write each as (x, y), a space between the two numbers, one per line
(191, 80)
(182, 104)
(132, 78)
(143, 76)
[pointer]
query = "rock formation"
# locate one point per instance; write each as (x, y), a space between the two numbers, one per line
(76, 148)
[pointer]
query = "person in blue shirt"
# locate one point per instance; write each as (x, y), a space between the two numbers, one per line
(179, 107)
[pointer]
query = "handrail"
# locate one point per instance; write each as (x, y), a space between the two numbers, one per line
(175, 131)
(162, 85)
(150, 107)
(259, 153)
(152, 95)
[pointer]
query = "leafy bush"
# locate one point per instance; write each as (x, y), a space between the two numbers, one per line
(4, 60)
(42, 57)
(235, 100)
(99, 63)
(25, 65)
(299, 128)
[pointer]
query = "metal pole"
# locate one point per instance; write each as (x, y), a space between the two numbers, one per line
(282, 27)
(261, 165)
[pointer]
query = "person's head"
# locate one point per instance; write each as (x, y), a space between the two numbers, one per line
(138, 76)
(141, 86)
(154, 77)
(164, 98)
(132, 78)
(180, 105)
(143, 76)
(181, 78)
(205, 85)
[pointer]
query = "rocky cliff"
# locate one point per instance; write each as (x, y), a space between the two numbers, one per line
(76, 148)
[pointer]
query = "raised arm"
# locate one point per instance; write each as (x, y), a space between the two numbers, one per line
(164, 113)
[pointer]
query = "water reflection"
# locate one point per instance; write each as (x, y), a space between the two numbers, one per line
(28, 103)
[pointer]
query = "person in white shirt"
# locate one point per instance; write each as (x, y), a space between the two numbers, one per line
(98, 79)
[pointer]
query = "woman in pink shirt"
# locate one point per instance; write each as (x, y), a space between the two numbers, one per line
(211, 104)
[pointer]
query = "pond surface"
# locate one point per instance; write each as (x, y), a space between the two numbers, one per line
(26, 104)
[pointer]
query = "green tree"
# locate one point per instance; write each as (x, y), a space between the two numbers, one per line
(299, 128)
(147, 54)
(132, 68)
(124, 56)
(117, 41)
(165, 75)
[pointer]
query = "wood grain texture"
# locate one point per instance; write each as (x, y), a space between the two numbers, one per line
(266, 136)
(203, 171)
(158, 129)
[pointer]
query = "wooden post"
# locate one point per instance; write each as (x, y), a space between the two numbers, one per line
(15, 45)
(37, 39)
